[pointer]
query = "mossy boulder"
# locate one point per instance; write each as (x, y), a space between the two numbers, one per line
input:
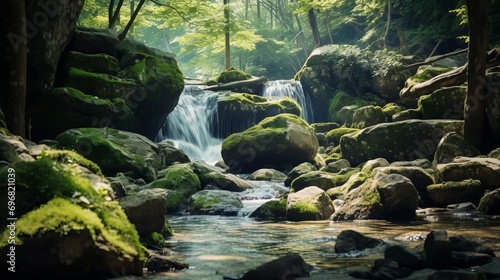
(170, 154)
(409, 114)
(367, 116)
(232, 75)
(451, 192)
(281, 140)
(215, 202)
(96, 63)
(239, 111)
(267, 174)
(69, 221)
(73, 108)
(452, 145)
(3, 124)
(398, 196)
(333, 136)
(371, 164)
(494, 153)
(444, 103)
(115, 150)
(299, 170)
(270, 210)
(490, 203)
(425, 73)
(320, 179)
(216, 177)
(361, 203)
(342, 107)
(390, 109)
(311, 203)
(324, 127)
(486, 170)
(343, 175)
(404, 140)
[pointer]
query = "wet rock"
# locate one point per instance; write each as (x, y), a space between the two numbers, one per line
(118, 189)
(146, 211)
(398, 196)
(215, 202)
(444, 103)
(298, 170)
(403, 257)
(469, 259)
(490, 203)
(443, 194)
(157, 263)
(486, 170)
(454, 274)
(350, 240)
(367, 116)
(361, 203)
(422, 162)
(217, 177)
(321, 179)
(465, 206)
(271, 210)
(437, 248)
(311, 203)
(462, 244)
(491, 270)
(374, 163)
(170, 155)
(267, 174)
(452, 145)
(336, 166)
(284, 268)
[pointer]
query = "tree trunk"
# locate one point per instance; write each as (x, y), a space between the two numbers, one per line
(131, 21)
(116, 14)
(228, 45)
(403, 45)
(15, 100)
(314, 27)
(258, 9)
(389, 11)
(475, 100)
(110, 11)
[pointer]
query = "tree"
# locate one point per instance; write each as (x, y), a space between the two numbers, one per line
(226, 35)
(475, 101)
(16, 95)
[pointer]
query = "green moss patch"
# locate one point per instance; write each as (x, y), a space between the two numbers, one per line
(232, 75)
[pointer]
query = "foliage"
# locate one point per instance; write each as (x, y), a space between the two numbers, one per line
(232, 75)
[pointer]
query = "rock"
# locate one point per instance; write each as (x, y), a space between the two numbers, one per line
(417, 175)
(299, 170)
(385, 269)
(267, 174)
(403, 257)
(333, 136)
(354, 181)
(286, 267)
(115, 150)
(237, 112)
(437, 248)
(281, 140)
(420, 274)
(494, 153)
(454, 274)
(469, 259)
(311, 203)
(491, 270)
(398, 196)
(270, 210)
(409, 114)
(321, 179)
(465, 206)
(423, 74)
(350, 240)
(95, 41)
(336, 166)
(361, 203)
(423, 163)
(96, 63)
(486, 170)
(215, 202)
(118, 189)
(451, 146)
(451, 192)
(157, 263)
(493, 107)
(367, 116)
(490, 203)
(217, 177)
(403, 140)
(371, 164)
(390, 109)
(444, 103)
(170, 155)
(324, 127)
(146, 211)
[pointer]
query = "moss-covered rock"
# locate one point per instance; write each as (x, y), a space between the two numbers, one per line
(215, 202)
(267, 174)
(490, 203)
(270, 210)
(425, 73)
(311, 203)
(405, 140)
(232, 75)
(115, 150)
(299, 170)
(3, 124)
(390, 109)
(216, 177)
(281, 140)
(486, 170)
(367, 116)
(96, 63)
(320, 179)
(361, 203)
(170, 154)
(324, 127)
(333, 136)
(239, 111)
(451, 192)
(409, 114)
(342, 107)
(343, 175)
(398, 196)
(452, 145)
(74, 108)
(444, 103)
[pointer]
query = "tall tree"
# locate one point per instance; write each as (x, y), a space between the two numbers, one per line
(16, 96)
(475, 100)
(227, 34)
(131, 21)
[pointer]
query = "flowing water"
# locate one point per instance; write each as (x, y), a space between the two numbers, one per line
(293, 89)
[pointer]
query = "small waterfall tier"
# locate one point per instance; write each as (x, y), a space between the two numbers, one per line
(188, 125)
(293, 89)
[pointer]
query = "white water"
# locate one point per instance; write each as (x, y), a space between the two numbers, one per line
(188, 125)
(289, 88)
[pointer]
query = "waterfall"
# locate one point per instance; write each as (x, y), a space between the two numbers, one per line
(188, 125)
(293, 89)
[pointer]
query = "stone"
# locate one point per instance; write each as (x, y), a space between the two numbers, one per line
(371, 164)
(402, 140)
(336, 166)
(287, 267)
(215, 202)
(267, 174)
(493, 107)
(333, 136)
(490, 203)
(403, 257)
(437, 248)
(491, 270)
(170, 155)
(299, 170)
(146, 211)
(311, 203)
(321, 179)
(281, 140)
(367, 116)
(398, 196)
(453, 145)
(361, 203)
(444, 103)
(350, 240)
(486, 170)
(451, 192)
(157, 263)
(217, 177)
(454, 274)
(271, 210)
(409, 114)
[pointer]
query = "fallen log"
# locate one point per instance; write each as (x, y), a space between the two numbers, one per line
(238, 85)
(454, 77)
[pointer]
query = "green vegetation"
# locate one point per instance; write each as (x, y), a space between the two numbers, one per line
(334, 135)
(232, 75)
(72, 157)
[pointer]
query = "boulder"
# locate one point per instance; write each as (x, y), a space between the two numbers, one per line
(215, 202)
(311, 203)
(237, 112)
(490, 202)
(218, 178)
(324, 127)
(437, 247)
(452, 145)
(321, 179)
(299, 170)
(409, 114)
(361, 203)
(451, 192)
(367, 116)
(146, 211)
(270, 210)
(350, 240)
(336, 166)
(486, 170)
(403, 140)
(287, 267)
(281, 140)
(444, 103)
(398, 196)
(94, 41)
(170, 155)
(371, 164)
(115, 150)
(267, 174)
(96, 63)
(333, 136)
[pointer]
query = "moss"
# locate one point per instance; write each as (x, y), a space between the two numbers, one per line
(371, 197)
(426, 74)
(334, 135)
(204, 202)
(155, 239)
(97, 63)
(340, 179)
(62, 216)
(167, 229)
(332, 157)
(341, 100)
(70, 157)
(303, 211)
(232, 75)
(273, 209)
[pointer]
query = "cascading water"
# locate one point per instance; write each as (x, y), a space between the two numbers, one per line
(289, 88)
(188, 125)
